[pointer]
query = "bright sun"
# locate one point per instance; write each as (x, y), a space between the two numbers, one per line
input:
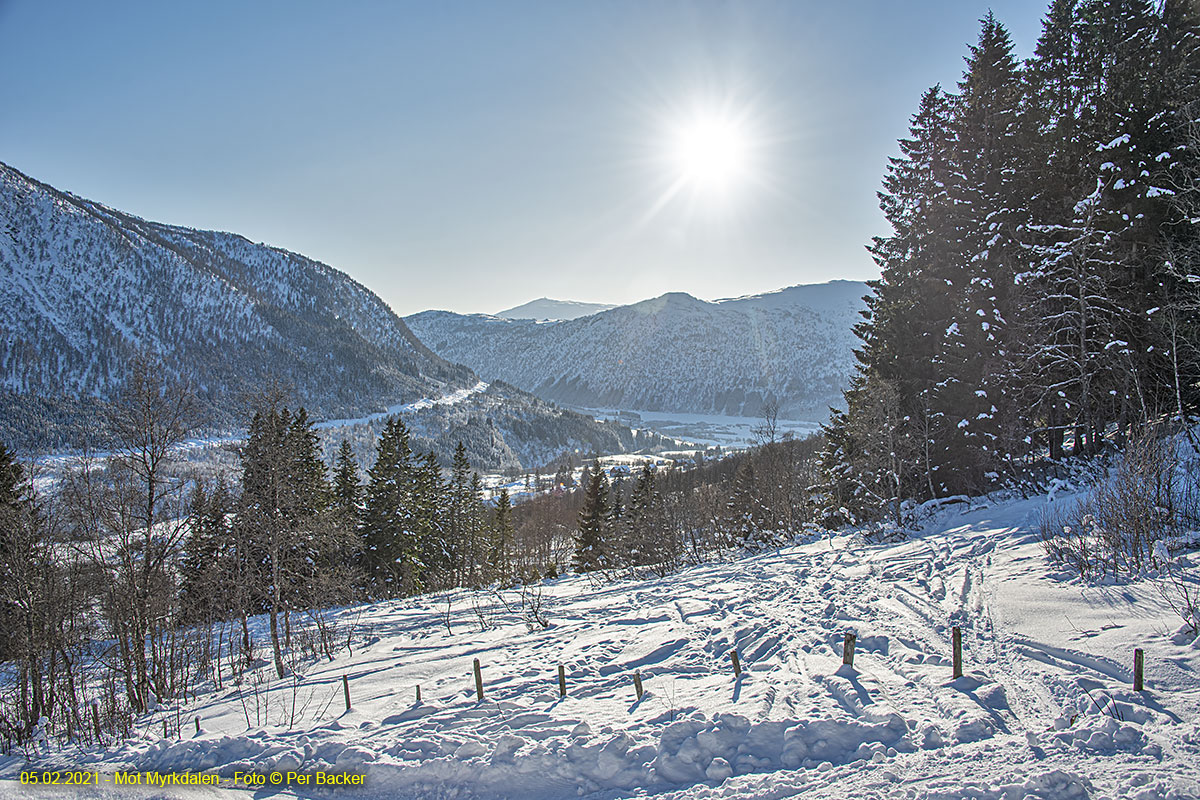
(711, 153)
(707, 157)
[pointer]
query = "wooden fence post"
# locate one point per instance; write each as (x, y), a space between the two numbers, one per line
(197, 725)
(958, 672)
(418, 694)
(1139, 666)
(637, 683)
(562, 681)
(346, 690)
(737, 664)
(478, 682)
(848, 650)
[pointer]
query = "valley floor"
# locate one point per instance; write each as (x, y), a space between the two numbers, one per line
(1045, 710)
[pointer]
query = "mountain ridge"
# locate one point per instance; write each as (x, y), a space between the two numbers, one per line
(85, 288)
(546, 308)
(674, 352)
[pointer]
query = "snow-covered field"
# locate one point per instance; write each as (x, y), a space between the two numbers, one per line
(724, 430)
(1045, 710)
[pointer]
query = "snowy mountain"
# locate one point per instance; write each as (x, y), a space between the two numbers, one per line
(546, 308)
(671, 353)
(1044, 708)
(84, 287)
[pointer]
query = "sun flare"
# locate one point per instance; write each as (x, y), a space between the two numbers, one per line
(711, 153)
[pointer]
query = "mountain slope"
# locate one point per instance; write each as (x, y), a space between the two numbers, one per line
(671, 353)
(547, 308)
(84, 288)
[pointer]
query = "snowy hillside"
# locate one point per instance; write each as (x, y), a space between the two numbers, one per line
(1045, 708)
(84, 287)
(503, 429)
(672, 353)
(547, 308)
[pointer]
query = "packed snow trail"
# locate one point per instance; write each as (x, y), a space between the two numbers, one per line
(1045, 708)
(449, 399)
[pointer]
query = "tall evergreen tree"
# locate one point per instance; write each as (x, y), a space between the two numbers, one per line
(347, 486)
(389, 527)
(591, 538)
(503, 537)
(284, 494)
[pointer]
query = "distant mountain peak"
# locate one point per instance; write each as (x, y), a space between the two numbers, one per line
(673, 352)
(548, 308)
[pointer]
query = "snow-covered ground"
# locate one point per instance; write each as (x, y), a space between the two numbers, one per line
(449, 399)
(1045, 710)
(711, 430)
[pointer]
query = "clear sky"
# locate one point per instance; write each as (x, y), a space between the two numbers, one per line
(474, 155)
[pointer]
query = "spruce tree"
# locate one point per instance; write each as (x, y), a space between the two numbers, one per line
(978, 386)
(648, 541)
(502, 538)
(284, 495)
(434, 557)
(347, 486)
(459, 510)
(743, 510)
(205, 569)
(389, 530)
(591, 538)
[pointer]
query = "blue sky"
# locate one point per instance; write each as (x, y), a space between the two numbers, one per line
(474, 155)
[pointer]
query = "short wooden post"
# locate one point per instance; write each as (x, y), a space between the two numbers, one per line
(418, 694)
(848, 650)
(562, 681)
(478, 682)
(197, 725)
(346, 690)
(637, 684)
(1139, 665)
(957, 652)
(737, 664)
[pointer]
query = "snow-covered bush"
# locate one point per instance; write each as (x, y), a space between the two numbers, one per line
(1149, 500)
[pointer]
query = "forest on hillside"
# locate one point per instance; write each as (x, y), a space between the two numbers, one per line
(1040, 289)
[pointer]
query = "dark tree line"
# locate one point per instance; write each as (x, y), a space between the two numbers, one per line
(1039, 290)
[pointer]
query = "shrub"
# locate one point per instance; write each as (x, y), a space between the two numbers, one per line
(1148, 498)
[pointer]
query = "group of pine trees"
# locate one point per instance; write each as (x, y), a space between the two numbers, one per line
(618, 532)
(128, 584)
(1040, 289)
(296, 537)
(662, 519)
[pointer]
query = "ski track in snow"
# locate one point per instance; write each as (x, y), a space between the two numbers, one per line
(453, 398)
(1024, 721)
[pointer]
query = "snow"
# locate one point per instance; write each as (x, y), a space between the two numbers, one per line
(449, 399)
(58, 461)
(1120, 140)
(1044, 710)
(709, 430)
